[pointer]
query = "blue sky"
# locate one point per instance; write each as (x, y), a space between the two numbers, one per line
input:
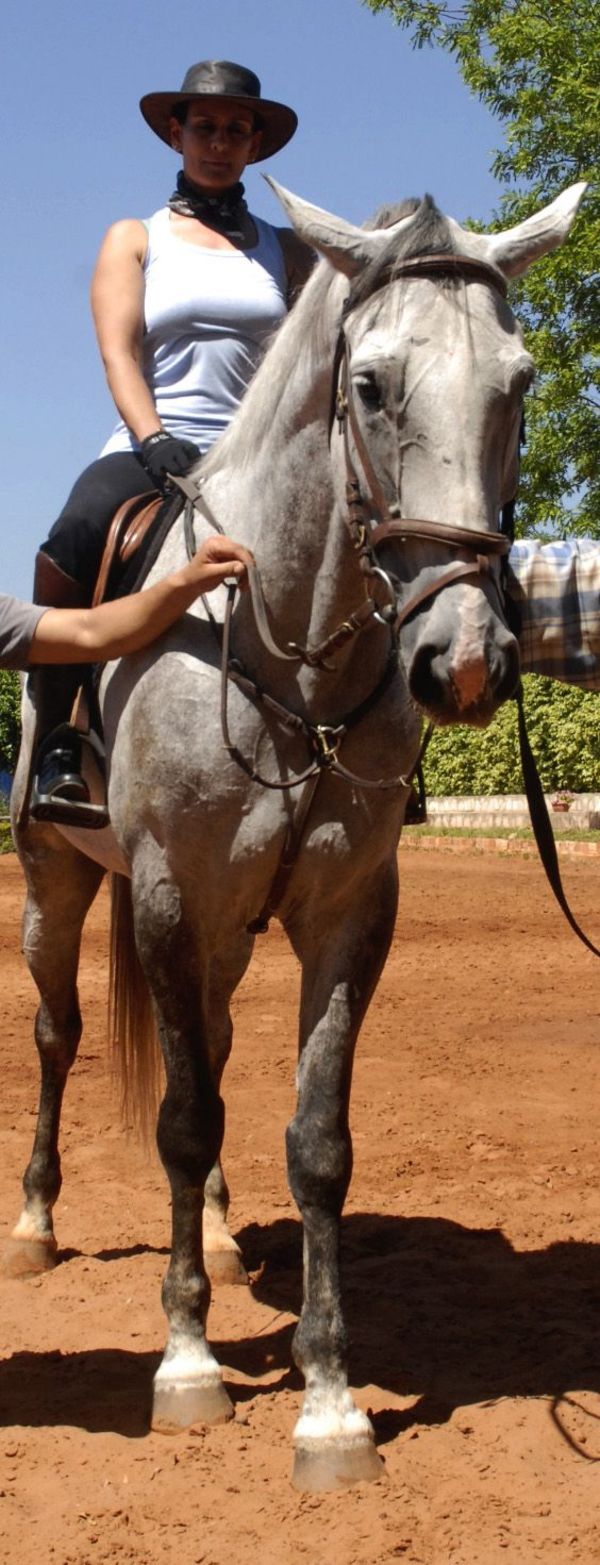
(377, 122)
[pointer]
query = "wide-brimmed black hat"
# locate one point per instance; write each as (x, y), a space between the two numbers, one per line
(223, 79)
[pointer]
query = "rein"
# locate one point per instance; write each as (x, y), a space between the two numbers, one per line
(392, 527)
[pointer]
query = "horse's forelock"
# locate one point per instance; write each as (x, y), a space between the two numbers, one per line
(429, 234)
(388, 214)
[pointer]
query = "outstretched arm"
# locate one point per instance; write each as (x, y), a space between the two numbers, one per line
(113, 629)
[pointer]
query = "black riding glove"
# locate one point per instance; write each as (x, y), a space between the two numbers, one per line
(162, 454)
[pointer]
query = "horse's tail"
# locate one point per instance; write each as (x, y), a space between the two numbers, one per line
(131, 1025)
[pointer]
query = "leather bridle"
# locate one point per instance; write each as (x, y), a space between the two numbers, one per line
(367, 535)
(388, 525)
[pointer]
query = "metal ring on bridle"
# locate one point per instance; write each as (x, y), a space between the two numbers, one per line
(386, 613)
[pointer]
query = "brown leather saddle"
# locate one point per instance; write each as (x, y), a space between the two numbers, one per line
(131, 528)
(128, 530)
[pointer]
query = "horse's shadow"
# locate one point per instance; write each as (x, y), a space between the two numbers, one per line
(443, 1314)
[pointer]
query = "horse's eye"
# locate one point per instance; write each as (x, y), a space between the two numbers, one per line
(368, 391)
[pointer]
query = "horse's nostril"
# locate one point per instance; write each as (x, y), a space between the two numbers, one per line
(468, 694)
(428, 678)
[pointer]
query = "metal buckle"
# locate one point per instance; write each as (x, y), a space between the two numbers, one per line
(360, 538)
(341, 408)
(326, 743)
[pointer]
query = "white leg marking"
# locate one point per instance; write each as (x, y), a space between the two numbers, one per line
(332, 1417)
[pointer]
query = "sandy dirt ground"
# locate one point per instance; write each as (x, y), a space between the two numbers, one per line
(471, 1256)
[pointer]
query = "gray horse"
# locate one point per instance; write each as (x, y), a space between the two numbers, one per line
(366, 470)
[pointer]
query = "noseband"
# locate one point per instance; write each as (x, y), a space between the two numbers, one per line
(368, 535)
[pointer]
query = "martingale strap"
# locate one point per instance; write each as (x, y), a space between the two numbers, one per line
(324, 739)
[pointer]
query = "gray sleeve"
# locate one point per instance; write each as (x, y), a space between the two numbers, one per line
(18, 622)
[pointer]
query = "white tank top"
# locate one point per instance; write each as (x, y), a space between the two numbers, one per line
(208, 315)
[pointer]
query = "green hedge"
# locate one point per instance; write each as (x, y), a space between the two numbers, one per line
(10, 720)
(564, 730)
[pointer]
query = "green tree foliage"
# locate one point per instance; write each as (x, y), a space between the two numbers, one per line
(564, 732)
(536, 64)
(10, 720)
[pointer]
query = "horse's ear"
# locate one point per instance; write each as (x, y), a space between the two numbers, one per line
(515, 249)
(348, 248)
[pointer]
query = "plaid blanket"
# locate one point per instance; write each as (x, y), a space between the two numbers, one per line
(557, 589)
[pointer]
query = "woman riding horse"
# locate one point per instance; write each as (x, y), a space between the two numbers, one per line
(184, 305)
(409, 333)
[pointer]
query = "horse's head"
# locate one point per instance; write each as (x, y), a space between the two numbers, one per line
(431, 373)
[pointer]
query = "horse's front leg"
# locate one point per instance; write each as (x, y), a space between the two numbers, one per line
(342, 961)
(188, 1385)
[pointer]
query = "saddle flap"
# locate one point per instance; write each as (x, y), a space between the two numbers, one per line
(128, 528)
(136, 530)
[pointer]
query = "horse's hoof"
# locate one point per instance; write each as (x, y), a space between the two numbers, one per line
(328, 1464)
(29, 1257)
(178, 1404)
(226, 1266)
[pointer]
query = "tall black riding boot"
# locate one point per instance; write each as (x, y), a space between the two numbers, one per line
(59, 792)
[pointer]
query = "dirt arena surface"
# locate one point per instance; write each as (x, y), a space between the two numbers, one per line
(471, 1245)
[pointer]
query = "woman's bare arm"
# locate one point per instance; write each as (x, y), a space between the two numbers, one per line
(117, 297)
(114, 629)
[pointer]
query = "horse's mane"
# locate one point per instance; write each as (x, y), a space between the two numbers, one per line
(302, 340)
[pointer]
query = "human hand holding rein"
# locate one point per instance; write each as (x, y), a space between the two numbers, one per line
(114, 629)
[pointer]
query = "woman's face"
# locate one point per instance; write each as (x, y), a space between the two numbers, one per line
(216, 142)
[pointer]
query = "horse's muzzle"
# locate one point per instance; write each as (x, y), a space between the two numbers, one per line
(467, 691)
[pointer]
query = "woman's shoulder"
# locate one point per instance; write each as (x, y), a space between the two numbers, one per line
(134, 238)
(127, 237)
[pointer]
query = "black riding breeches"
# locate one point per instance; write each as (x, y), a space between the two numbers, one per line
(76, 541)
